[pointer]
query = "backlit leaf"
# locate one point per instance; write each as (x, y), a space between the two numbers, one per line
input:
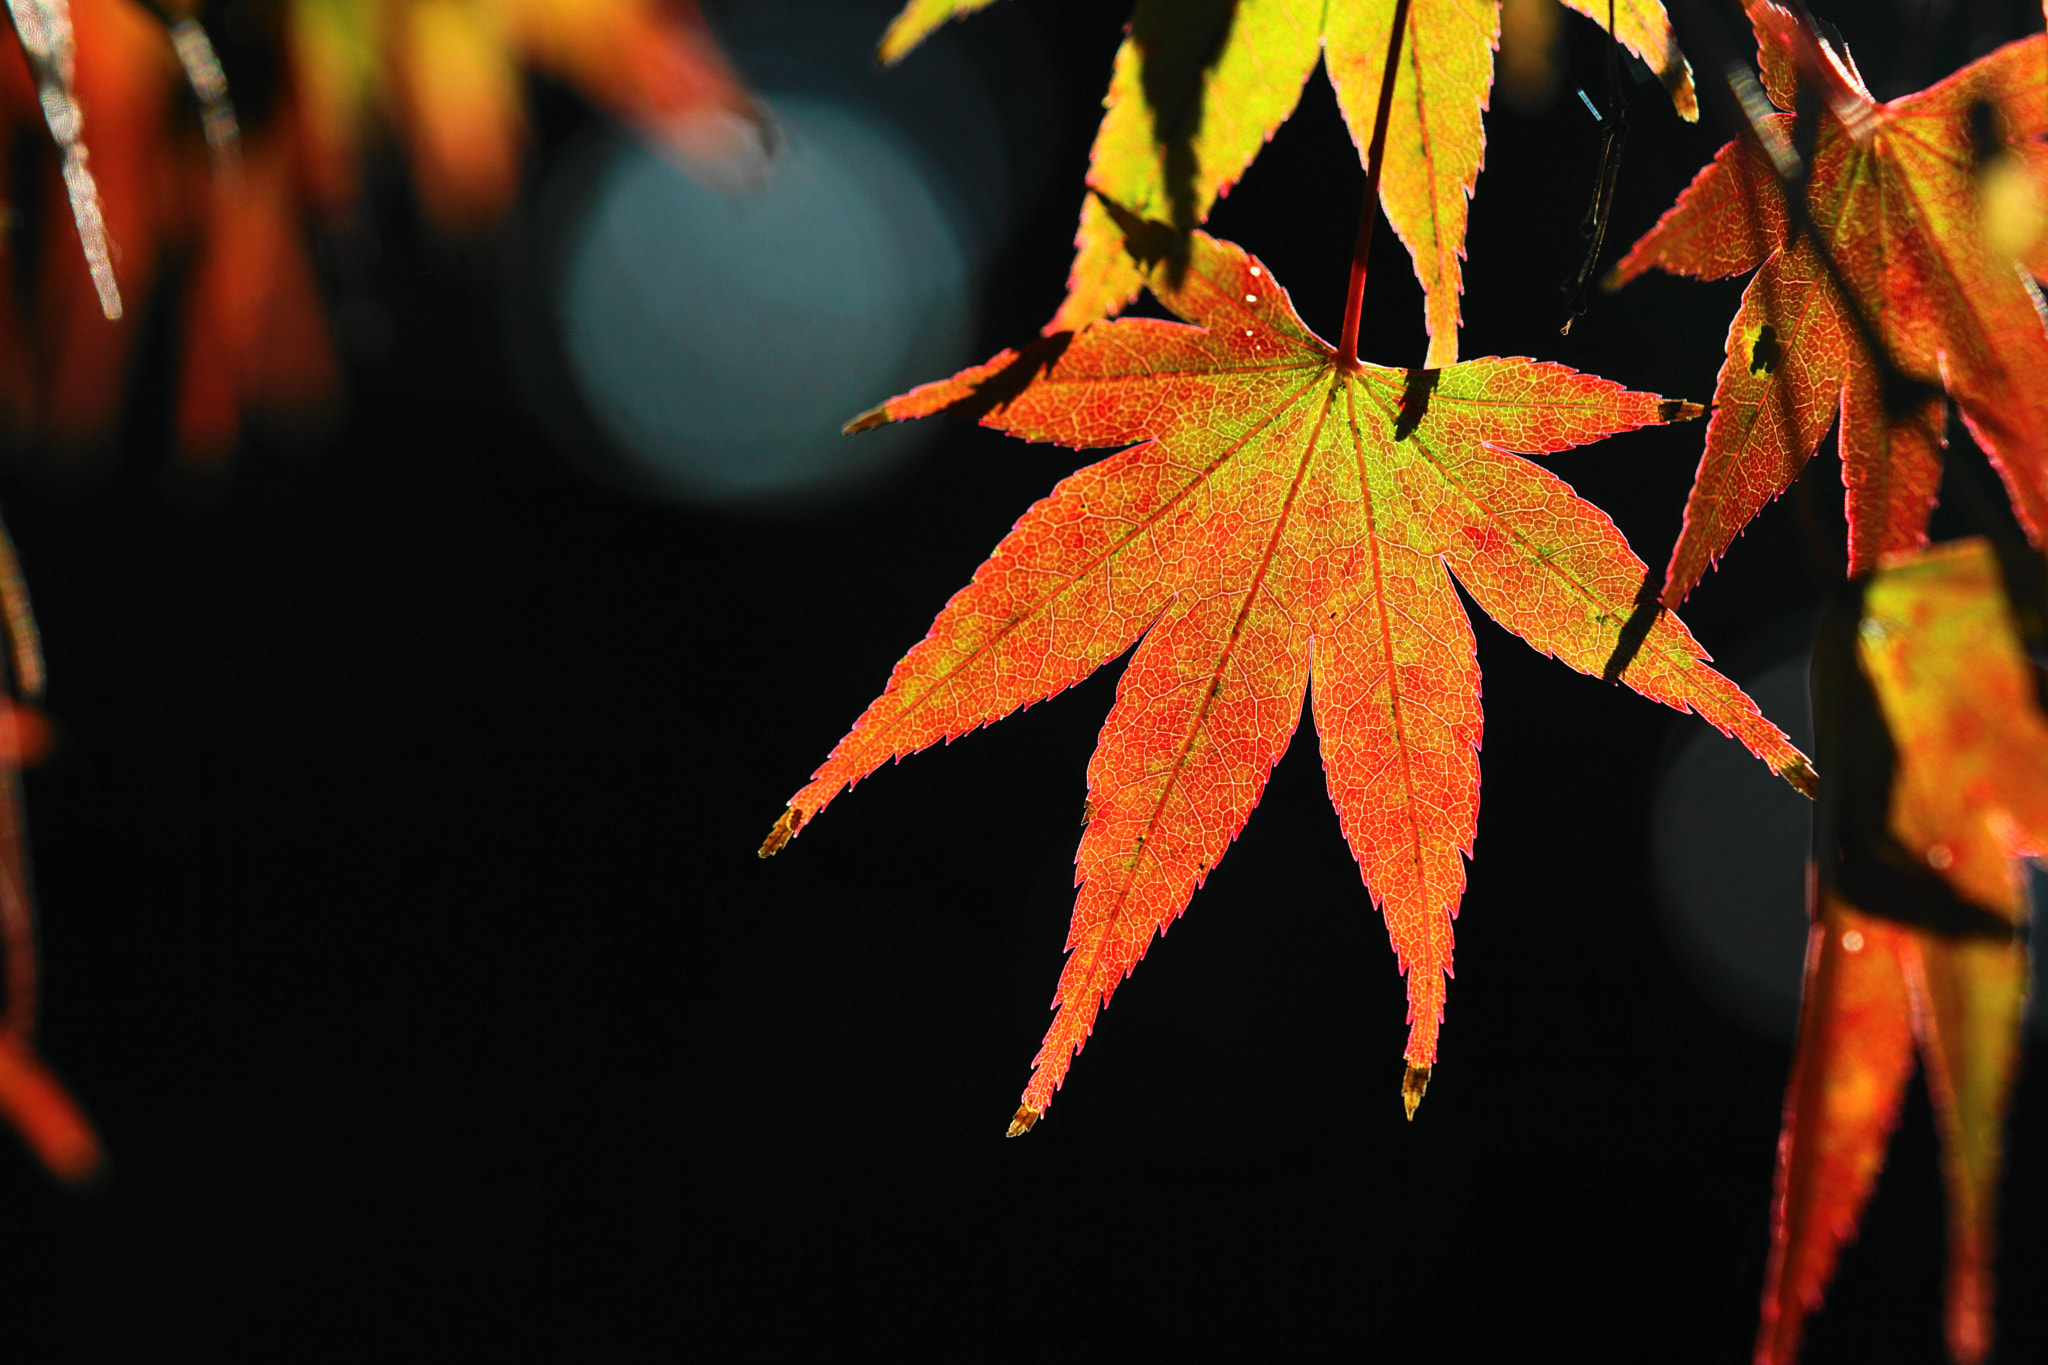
(1199, 87)
(917, 21)
(1894, 196)
(1967, 798)
(1277, 525)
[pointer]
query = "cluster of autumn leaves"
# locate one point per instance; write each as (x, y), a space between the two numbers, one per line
(1281, 522)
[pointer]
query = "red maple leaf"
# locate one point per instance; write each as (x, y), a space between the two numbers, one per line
(1893, 196)
(1279, 522)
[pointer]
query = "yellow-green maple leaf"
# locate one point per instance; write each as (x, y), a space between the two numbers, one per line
(1199, 86)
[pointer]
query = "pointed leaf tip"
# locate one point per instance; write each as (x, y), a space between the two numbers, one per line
(876, 416)
(917, 22)
(1023, 1121)
(1803, 778)
(36, 1104)
(1678, 410)
(1413, 1083)
(785, 829)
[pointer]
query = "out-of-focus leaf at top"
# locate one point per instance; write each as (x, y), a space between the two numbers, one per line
(449, 72)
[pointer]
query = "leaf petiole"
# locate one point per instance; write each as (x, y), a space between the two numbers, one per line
(1369, 211)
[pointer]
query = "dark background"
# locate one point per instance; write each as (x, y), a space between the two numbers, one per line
(404, 936)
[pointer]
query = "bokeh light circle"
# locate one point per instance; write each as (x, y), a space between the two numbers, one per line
(1729, 842)
(722, 340)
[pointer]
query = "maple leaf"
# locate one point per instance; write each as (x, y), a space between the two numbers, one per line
(1892, 194)
(1284, 523)
(1929, 723)
(1199, 88)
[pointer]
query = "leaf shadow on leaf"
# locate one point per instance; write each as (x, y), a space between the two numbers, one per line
(1635, 630)
(1415, 401)
(1181, 41)
(1002, 387)
(1855, 851)
(1149, 241)
(984, 396)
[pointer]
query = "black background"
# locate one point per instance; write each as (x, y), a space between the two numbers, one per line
(404, 935)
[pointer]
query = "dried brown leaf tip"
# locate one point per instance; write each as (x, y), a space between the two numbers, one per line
(1802, 777)
(867, 421)
(1413, 1083)
(785, 829)
(1022, 1121)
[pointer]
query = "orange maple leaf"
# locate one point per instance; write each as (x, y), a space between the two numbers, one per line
(1916, 934)
(1198, 89)
(1284, 522)
(1893, 194)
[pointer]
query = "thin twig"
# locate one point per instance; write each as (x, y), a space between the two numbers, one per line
(1613, 134)
(44, 27)
(210, 87)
